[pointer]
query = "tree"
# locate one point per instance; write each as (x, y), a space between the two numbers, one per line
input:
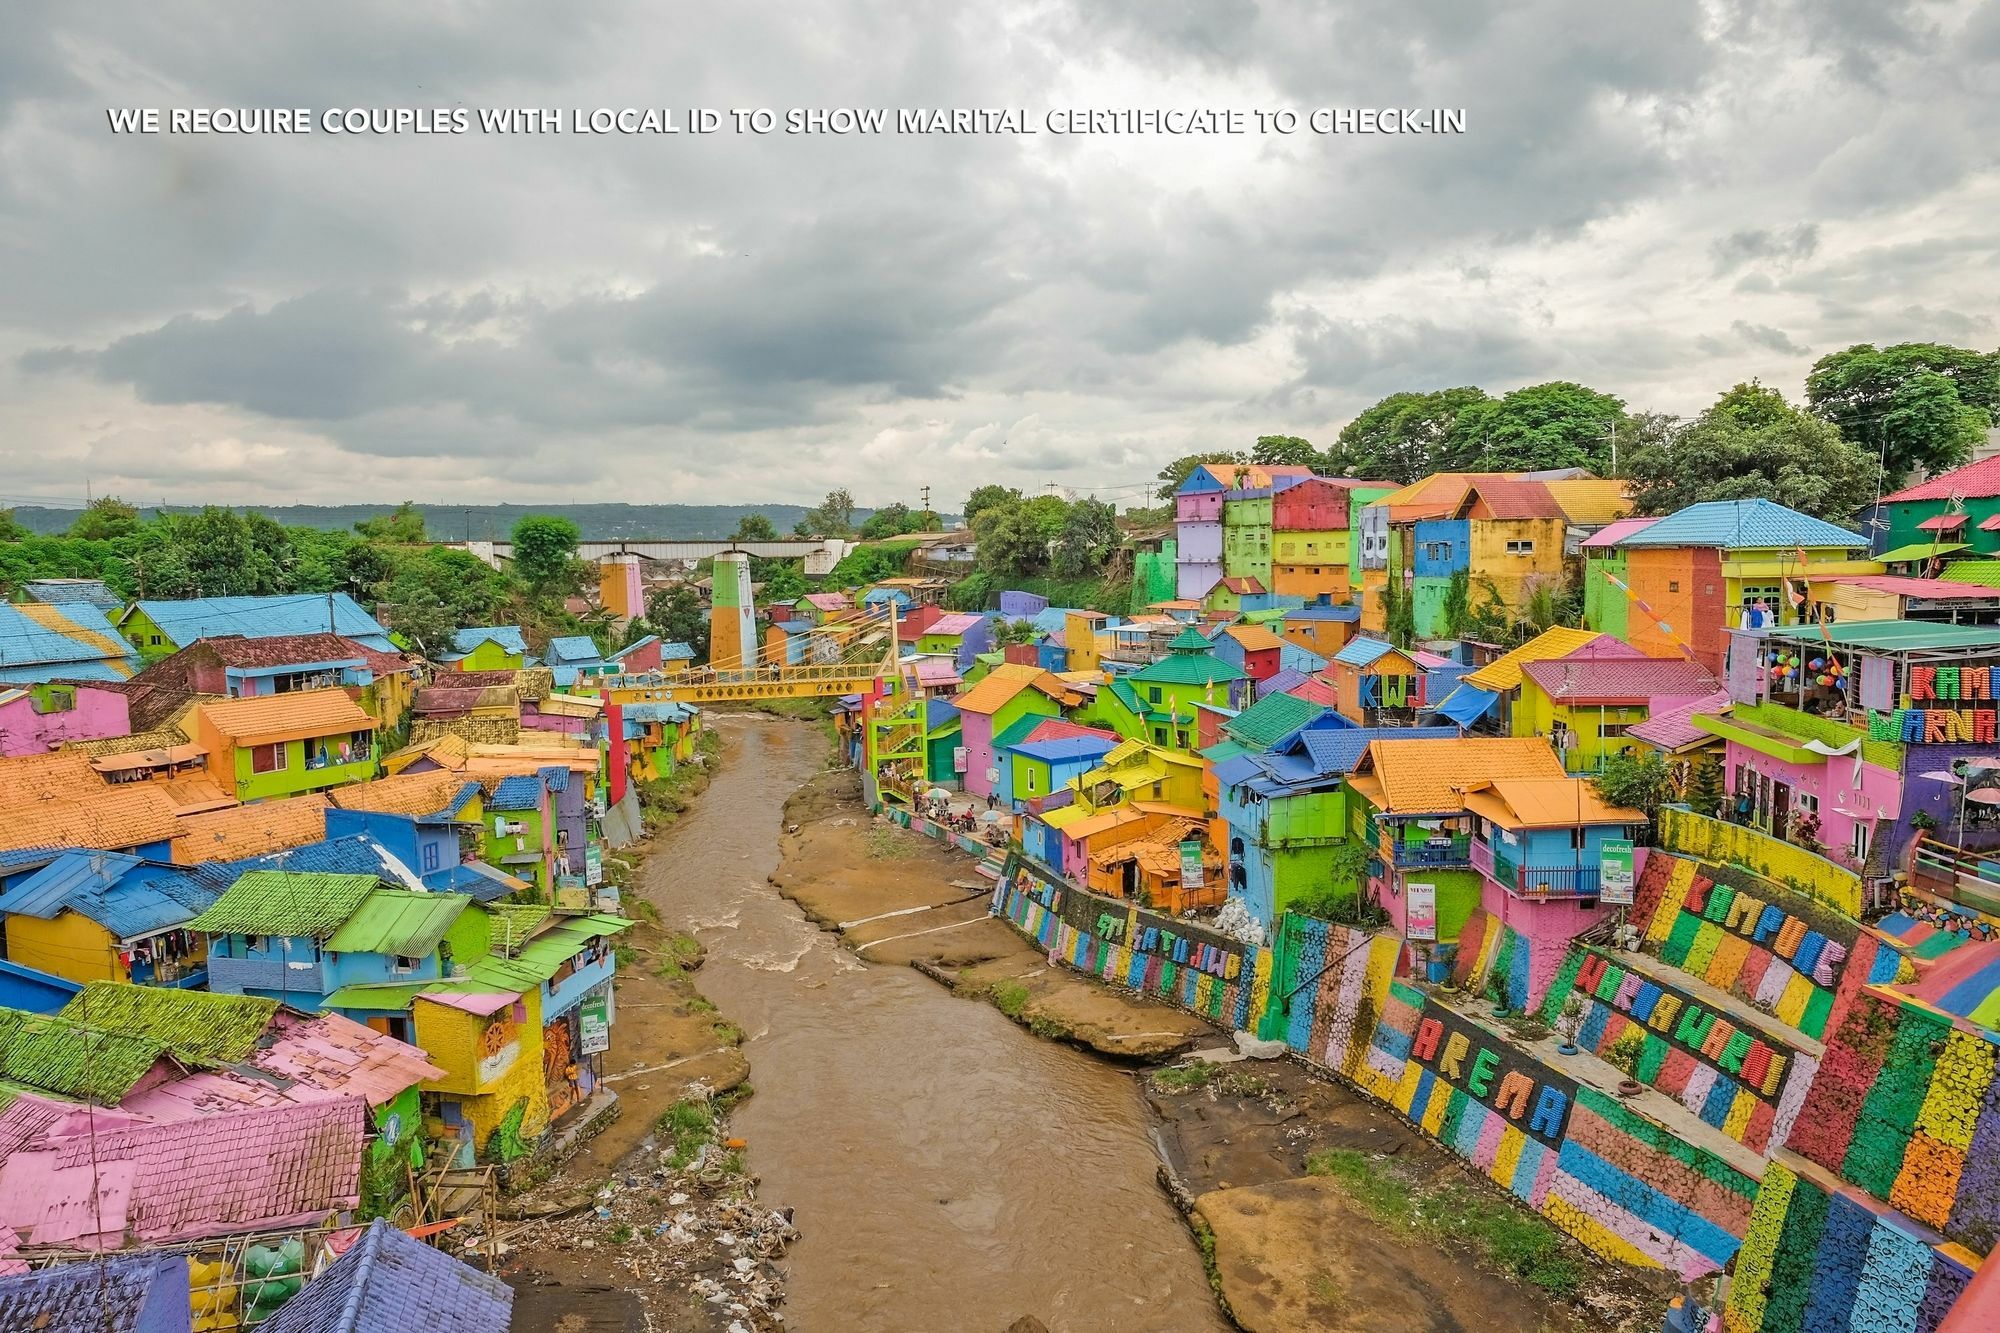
(678, 615)
(10, 527)
(754, 528)
(104, 518)
(1640, 781)
(1752, 444)
(986, 497)
(545, 551)
(1285, 451)
(1015, 538)
(1704, 788)
(1913, 405)
(1088, 536)
(891, 520)
(401, 526)
(833, 516)
(1554, 425)
(1006, 632)
(1178, 471)
(1403, 437)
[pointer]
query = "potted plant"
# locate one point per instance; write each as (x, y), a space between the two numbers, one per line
(1569, 1022)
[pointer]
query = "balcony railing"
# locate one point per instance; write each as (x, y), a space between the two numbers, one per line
(1451, 851)
(1535, 883)
(1969, 878)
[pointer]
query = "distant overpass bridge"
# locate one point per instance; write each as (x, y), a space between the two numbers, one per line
(820, 554)
(866, 652)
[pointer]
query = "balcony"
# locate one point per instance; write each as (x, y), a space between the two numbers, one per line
(1535, 883)
(1454, 850)
(1969, 878)
(304, 982)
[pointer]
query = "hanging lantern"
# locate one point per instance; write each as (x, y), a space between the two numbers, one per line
(1817, 663)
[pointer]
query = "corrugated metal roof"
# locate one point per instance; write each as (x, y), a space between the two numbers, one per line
(398, 922)
(1271, 719)
(509, 637)
(1503, 673)
(130, 898)
(262, 617)
(40, 641)
(390, 1280)
(1605, 680)
(1740, 524)
(1613, 533)
(573, 649)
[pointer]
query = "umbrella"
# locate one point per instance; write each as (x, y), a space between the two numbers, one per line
(992, 817)
(937, 794)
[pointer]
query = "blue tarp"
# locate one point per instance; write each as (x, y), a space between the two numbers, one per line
(1466, 705)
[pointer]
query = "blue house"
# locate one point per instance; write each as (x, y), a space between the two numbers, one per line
(297, 937)
(573, 657)
(1034, 770)
(34, 991)
(157, 628)
(41, 641)
(487, 648)
(93, 916)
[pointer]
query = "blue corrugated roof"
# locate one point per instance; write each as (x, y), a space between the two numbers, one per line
(939, 713)
(36, 991)
(1362, 652)
(31, 652)
(1337, 614)
(1281, 682)
(265, 617)
(1067, 747)
(507, 636)
(475, 879)
(1735, 524)
(877, 596)
(125, 895)
(523, 791)
(1051, 619)
(620, 654)
(574, 648)
(68, 592)
(676, 652)
(389, 1280)
(1466, 704)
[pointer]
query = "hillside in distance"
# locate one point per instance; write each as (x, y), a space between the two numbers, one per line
(598, 522)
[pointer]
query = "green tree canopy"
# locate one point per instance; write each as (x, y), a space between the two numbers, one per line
(1285, 451)
(831, 517)
(1404, 437)
(1086, 539)
(1554, 425)
(401, 526)
(1176, 472)
(892, 520)
(678, 615)
(11, 529)
(1914, 405)
(754, 528)
(985, 497)
(544, 550)
(1751, 444)
(104, 518)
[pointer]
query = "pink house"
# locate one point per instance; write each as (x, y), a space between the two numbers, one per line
(1853, 799)
(35, 719)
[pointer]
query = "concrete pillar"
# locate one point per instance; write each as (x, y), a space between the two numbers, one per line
(620, 588)
(732, 636)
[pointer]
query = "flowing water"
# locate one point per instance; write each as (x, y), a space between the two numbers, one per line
(950, 1171)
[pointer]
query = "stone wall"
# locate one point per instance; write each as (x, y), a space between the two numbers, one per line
(1691, 834)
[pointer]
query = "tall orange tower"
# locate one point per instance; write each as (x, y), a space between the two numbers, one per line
(732, 616)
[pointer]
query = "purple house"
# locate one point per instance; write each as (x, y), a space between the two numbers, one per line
(1022, 605)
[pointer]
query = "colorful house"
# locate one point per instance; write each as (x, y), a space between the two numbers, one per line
(157, 628)
(1515, 529)
(1170, 690)
(1320, 627)
(1413, 810)
(1201, 518)
(959, 636)
(574, 658)
(522, 839)
(286, 744)
(1853, 597)
(1038, 756)
(487, 648)
(1721, 564)
(108, 916)
(1253, 648)
(58, 800)
(1584, 703)
(236, 667)
(417, 816)
(40, 642)
(1009, 693)
(942, 737)
(35, 719)
(1485, 697)
(1312, 539)
(1961, 506)
(1605, 603)
(1376, 683)
(1540, 843)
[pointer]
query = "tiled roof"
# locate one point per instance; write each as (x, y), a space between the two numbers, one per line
(277, 902)
(1066, 747)
(1254, 638)
(106, 1296)
(58, 776)
(1317, 690)
(1503, 673)
(1612, 533)
(1740, 524)
(255, 1171)
(297, 1058)
(523, 791)
(1510, 498)
(249, 830)
(937, 671)
(1270, 720)
(429, 793)
(66, 592)
(200, 1030)
(261, 617)
(1425, 777)
(1609, 680)
(107, 818)
(1248, 585)
(62, 1056)
(828, 601)
(939, 713)
(573, 648)
(954, 625)
(1005, 681)
(1673, 727)
(129, 897)
(1546, 803)
(676, 652)
(398, 922)
(280, 650)
(1588, 502)
(39, 640)
(1974, 481)
(1314, 611)
(389, 1280)
(299, 715)
(1281, 682)
(477, 880)
(1181, 668)
(507, 636)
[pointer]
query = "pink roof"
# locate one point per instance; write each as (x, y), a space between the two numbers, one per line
(1613, 533)
(1942, 523)
(1974, 481)
(1620, 680)
(958, 622)
(1056, 729)
(1316, 690)
(257, 1171)
(1670, 728)
(302, 1058)
(482, 1004)
(828, 601)
(1600, 649)
(1942, 589)
(1428, 661)
(937, 671)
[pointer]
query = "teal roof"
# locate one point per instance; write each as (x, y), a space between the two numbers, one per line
(1742, 524)
(1189, 640)
(398, 922)
(1271, 719)
(1894, 635)
(1188, 669)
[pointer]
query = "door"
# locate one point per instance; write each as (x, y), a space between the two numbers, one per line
(1781, 808)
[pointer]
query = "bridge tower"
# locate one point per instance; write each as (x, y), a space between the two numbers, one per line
(732, 617)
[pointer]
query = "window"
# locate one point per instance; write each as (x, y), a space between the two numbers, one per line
(1673, 585)
(1857, 845)
(430, 857)
(267, 758)
(1808, 803)
(1153, 693)
(1520, 548)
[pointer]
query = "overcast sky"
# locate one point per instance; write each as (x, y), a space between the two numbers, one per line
(1657, 199)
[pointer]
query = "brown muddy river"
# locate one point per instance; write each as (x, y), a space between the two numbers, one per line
(950, 1171)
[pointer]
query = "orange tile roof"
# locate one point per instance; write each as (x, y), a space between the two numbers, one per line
(1525, 803)
(1254, 638)
(1006, 681)
(94, 816)
(446, 751)
(1430, 777)
(62, 775)
(299, 715)
(250, 830)
(406, 794)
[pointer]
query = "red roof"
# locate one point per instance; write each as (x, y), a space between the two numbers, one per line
(1056, 729)
(1243, 585)
(1990, 523)
(1316, 690)
(1512, 498)
(1974, 481)
(1619, 680)
(1942, 523)
(300, 649)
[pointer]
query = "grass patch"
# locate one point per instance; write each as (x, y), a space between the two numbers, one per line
(1506, 1237)
(1204, 1239)
(645, 910)
(1183, 1078)
(1010, 998)
(621, 1234)
(1048, 1028)
(885, 844)
(728, 1034)
(700, 1004)
(625, 955)
(726, 1102)
(690, 1126)
(732, 1162)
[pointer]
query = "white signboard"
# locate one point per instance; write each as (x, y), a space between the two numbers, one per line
(1420, 921)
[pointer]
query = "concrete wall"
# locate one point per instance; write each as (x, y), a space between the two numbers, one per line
(1730, 844)
(97, 713)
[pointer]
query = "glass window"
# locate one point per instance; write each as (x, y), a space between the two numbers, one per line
(267, 758)
(1520, 548)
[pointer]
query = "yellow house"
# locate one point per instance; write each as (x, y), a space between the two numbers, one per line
(1584, 703)
(490, 1047)
(1138, 771)
(107, 916)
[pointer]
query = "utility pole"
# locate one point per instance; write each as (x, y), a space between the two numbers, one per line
(926, 493)
(1612, 431)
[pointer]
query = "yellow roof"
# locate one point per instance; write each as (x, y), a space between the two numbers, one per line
(1428, 777)
(1065, 816)
(1588, 502)
(1254, 638)
(1503, 673)
(1525, 803)
(1005, 681)
(60, 775)
(90, 815)
(1092, 825)
(299, 715)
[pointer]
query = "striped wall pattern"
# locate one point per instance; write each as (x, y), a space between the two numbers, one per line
(1496, 961)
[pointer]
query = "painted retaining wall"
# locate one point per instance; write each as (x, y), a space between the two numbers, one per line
(1690, 834)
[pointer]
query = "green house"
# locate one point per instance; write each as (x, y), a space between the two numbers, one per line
(273, 745)
(1116, 707)
(1246, 538)
(943, 737)
(1170, 689)
(488, 648)
(1960, 506)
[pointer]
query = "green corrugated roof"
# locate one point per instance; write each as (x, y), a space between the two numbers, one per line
(1222, 750)
(1895, 634)
(1986, 573)
(49, 1051)
(282, 902)
(513, 923)
(1919, 551)
(199, 1029)
(1272, 718)
(390, 996)
(400, 922)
